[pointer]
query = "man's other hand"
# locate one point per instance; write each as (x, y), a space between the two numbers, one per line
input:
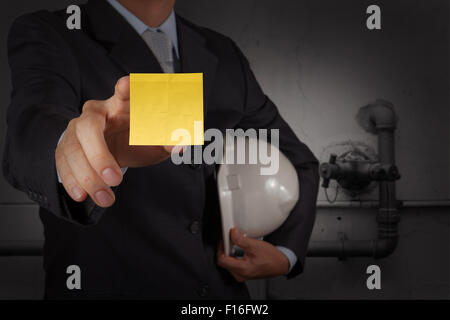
(96, 145)
(261, 259)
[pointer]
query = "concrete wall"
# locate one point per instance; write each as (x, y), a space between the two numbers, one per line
(418, 269)
(319, 64)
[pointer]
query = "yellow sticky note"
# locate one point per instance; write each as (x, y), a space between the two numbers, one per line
(166, 109)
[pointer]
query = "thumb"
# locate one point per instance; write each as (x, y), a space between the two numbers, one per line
(239, 239)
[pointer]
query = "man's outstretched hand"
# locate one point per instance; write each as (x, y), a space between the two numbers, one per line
(96, 145)
(261, 259)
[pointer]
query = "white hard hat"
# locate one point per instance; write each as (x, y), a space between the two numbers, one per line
(254, 203)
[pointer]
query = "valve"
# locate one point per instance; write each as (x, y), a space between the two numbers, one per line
(384, 172)
(356, 175)
(329, 170)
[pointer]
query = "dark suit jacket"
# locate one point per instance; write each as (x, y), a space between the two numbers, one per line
(159, 239)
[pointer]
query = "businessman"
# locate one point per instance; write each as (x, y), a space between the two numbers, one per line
(137, 225)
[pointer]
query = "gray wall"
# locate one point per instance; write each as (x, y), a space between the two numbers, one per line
(319, 64)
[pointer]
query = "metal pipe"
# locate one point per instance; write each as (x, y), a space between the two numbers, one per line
(21, 248)
(384, 121)
(342, 249)
(375, 204)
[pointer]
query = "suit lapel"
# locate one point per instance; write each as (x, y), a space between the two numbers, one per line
(125, 46)
(195, 57)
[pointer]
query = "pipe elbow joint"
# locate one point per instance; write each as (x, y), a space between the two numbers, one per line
(384, 247)
(382, 115)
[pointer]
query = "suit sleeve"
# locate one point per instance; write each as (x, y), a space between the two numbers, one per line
(45, 97)
(260, 112)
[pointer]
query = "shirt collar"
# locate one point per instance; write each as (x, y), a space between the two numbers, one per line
(169, 26)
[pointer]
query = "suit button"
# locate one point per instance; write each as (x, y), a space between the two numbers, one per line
(203, 291)
(194, 227)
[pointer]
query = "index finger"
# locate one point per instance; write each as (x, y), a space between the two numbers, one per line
(120, 101)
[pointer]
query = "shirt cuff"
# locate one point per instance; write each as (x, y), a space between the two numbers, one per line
(60, 138)
(290, 255)
(57, 173)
